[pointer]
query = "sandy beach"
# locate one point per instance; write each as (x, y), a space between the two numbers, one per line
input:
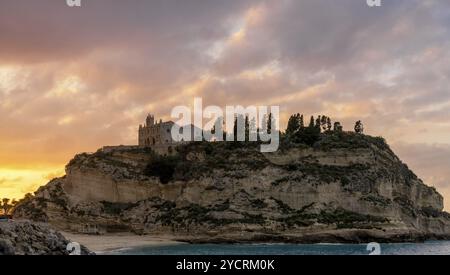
(104, 243)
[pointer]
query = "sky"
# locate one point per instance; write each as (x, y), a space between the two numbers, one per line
(75, 79)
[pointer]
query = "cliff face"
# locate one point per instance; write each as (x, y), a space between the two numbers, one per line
(347, 187)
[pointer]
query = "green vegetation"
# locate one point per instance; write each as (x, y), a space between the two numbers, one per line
(259, 204)
(239, 159)
(406, 205)
(344, 181)
(377, 200)
(236, 157)
(434, 213)
(340, 217)
(326, 173)
(320, 135)
(280, 181)
(296, 131)
(197, 214)
(285, 209)
(31, 210)
(406, 173)
(115, 208)
(162, 167)
(344, 217)
(348, 140)
(359, 127)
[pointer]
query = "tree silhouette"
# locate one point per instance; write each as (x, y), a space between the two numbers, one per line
(6, 205)
(263, 128)
(323, 123)
(310, 134)
(293, 125)
(359, 127)
(318, 121)
(328, 124)
(273, 125)
(337, 127)
(269, 124)
(311, 122)
(239, 121)
(213, 130)
(253, 130)
(247, 129)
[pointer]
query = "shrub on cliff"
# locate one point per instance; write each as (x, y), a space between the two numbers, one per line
(162, 167)
(349, 140)
(116, 208)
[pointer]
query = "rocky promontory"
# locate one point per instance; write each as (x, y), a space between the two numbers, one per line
(345, 187)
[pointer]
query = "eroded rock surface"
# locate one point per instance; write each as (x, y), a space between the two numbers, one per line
(28, 238)
(346, 188)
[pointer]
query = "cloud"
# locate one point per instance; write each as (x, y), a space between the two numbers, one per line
(9, 182)
(50, 30)
(73, 80)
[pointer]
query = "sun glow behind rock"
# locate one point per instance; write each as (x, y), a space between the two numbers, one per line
(14, 183)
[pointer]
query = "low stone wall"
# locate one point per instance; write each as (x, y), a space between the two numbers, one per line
(109, 149)
(160, 149)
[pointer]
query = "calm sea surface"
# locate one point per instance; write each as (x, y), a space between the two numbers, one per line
(428, 248)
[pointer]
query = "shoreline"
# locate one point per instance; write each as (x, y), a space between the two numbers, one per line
(101, 244)
(119, 244)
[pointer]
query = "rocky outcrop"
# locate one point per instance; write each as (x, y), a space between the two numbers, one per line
(27, 238)
(346, 188)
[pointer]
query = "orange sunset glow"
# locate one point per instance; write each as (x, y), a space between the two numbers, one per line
(75, 79)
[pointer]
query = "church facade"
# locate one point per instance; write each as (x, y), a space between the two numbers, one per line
(154, 133)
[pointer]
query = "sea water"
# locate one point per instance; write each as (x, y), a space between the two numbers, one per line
(427, 248)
